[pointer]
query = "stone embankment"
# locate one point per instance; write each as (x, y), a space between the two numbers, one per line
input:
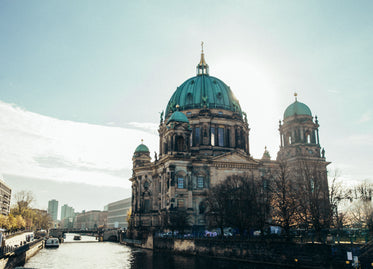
(20, 255)
(289, 254)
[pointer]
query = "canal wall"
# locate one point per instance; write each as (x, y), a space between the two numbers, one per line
(20, 255)
(260, 251)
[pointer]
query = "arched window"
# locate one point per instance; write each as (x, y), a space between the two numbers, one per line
(200, 182)
(289, 139)
(179, 143)
(180, 183)
(197, 136)
(212, 136)
(147, 205)
(308, 138)
(202, 207)
(221, 137)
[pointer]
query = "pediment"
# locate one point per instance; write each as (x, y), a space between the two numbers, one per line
(235, 157)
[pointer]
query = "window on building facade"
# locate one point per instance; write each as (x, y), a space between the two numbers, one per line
(197, 136)
(180, 182)
(202, 207)
(200, 182)
(228, 137)
(308, 138)
(179, 143)
(180, 203)
(221, 137)
(212, 136)
(147, 205)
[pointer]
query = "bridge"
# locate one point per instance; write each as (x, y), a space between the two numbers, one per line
(104, 235)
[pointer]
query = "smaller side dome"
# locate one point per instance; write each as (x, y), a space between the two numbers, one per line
(178, 116)
(297, 108)
(142, 148)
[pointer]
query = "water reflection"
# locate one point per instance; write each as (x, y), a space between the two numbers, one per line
(153, 260)
(92, 255)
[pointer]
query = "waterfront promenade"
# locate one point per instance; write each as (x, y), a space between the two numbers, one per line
(17, 240)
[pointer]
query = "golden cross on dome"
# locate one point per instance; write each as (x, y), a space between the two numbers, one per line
(202, 45)
(142, 141)
(295, 94)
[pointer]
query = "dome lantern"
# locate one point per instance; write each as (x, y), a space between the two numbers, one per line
(202, 67)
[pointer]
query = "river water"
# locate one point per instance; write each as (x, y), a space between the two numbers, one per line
(88, 253)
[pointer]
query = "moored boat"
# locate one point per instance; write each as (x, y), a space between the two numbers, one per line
(52, 243)
(77, 237)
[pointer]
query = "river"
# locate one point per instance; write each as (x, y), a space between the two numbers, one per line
(88, 253)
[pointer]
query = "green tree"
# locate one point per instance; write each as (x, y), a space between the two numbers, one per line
(20, 222)
(4, 221)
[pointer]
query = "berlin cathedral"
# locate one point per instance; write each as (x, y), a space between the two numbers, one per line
(203, 139)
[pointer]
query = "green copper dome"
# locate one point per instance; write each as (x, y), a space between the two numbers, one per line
(203, 90)
(178, 116)
(297, 108)
(142, 148)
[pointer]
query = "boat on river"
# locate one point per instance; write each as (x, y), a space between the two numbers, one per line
(52, 243)
(77, 237)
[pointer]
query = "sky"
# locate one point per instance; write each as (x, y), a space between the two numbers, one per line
(82, 82)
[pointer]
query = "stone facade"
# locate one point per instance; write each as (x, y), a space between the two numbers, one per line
(90, 220)
(203, 139)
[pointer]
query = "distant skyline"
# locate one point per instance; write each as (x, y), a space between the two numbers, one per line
(82, 82)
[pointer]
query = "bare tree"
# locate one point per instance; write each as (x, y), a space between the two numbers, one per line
(23, 202)
(216, 206)
(33, 218)
(178, 219)
(240, 202)
(362, 208)
(284, 198)
(313, 195)
(337, 194)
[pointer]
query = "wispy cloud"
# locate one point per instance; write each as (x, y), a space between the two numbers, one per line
(34, 145)
(145, 126)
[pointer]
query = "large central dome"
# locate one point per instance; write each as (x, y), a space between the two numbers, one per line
(203, 91)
